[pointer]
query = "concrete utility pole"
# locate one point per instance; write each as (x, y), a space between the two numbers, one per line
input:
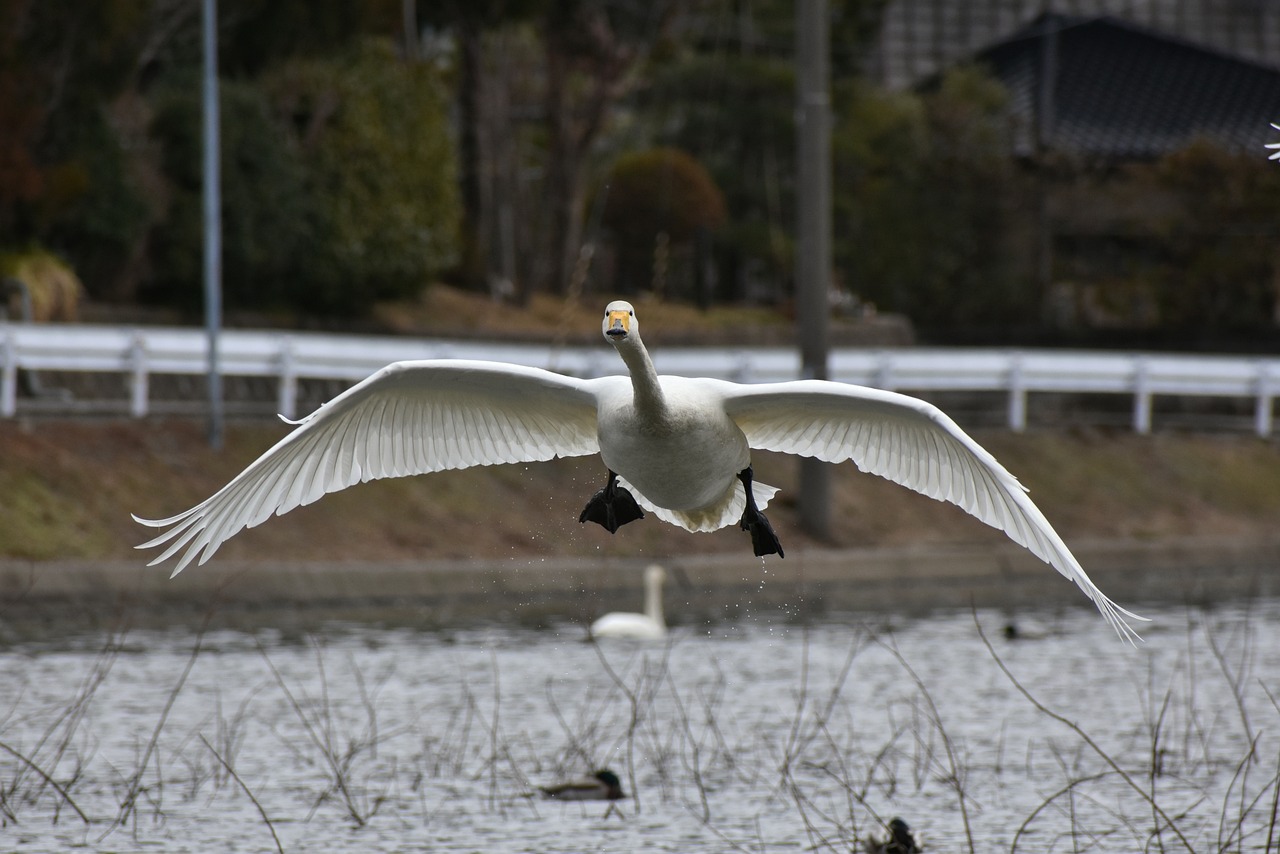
(212, 220)
(813, 260)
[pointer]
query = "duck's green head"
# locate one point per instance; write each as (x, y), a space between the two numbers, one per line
(612, 783)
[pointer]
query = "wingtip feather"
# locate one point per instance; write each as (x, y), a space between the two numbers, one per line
(1112, 613)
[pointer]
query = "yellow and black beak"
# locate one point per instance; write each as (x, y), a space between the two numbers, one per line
(618, 324)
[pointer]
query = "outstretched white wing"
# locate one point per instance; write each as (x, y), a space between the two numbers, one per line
(408, 418)
(909, 442)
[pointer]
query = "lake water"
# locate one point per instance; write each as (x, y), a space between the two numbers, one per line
(755, 736)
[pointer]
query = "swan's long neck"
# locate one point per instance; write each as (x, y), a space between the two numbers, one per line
(653, 599)
(644, 378)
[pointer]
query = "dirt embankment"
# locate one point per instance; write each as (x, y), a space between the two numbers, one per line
(67, 489)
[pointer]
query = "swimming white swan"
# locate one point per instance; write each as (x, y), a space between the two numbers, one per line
(1275, 155)
(675, 446)
(647, 626)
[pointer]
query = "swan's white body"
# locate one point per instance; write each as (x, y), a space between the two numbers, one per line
(651, 625)
(677, 444)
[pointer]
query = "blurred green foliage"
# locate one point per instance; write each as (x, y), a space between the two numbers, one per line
(338, 186)
(660, 194)
(341, 177)
(735, 112)
(258, 35)
(63, 172)
(1178, 252)
(374, 140)
(1221, 263)
(925, 194)
(661, 190)
(265, 215)
(100, 153)
(92, 203)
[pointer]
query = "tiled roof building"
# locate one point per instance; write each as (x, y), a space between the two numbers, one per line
(1106, 88)
(919, 38)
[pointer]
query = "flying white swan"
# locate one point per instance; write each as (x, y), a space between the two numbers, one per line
(647, 626)
(677, 447)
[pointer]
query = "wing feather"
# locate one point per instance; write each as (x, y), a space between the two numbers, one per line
(912, 443)
(409, 418)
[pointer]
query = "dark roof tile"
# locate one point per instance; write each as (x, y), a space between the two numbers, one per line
(1123, 91)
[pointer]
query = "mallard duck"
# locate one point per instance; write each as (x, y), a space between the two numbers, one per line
(899, 840)
(1026, 629)
(677, 447)
(604, 785)
(647, 626)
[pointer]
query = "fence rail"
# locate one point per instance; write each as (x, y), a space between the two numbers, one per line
(142, 352)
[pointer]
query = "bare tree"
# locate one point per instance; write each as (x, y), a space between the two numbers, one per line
(592, 48)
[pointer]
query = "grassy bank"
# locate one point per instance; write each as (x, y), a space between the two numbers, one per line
(67, 489)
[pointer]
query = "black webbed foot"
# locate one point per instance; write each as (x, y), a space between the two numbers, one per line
(611, 507)
(763, 540)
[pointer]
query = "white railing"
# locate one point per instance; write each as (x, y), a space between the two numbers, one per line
(141, 352)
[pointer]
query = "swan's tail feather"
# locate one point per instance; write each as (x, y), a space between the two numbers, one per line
(727, 512)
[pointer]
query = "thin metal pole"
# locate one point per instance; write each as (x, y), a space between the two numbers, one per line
(212, 220)
(813, 261)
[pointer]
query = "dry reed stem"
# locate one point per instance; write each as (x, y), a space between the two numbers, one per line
(1084, 736)
(129, 804)
(248, 792)
(47, 779)
(320, 735)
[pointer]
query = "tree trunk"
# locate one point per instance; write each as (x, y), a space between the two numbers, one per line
(473, 266)
(563, 171)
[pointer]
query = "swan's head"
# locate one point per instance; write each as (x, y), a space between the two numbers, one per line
(620, 322)
(655, 575)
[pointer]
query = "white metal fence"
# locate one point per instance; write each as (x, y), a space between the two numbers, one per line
(142, 352)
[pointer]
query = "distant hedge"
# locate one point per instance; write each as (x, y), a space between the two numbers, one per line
(338, 186)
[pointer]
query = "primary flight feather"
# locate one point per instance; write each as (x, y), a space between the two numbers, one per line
(678, 447)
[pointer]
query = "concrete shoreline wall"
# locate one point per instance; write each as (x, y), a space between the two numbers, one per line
(61, 596)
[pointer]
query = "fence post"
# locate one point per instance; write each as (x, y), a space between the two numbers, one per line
(883, 376)
(1262, 413)
(138, 378)
(1141, 395)
(8, 376)
(288, 400)
(1017, 395)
